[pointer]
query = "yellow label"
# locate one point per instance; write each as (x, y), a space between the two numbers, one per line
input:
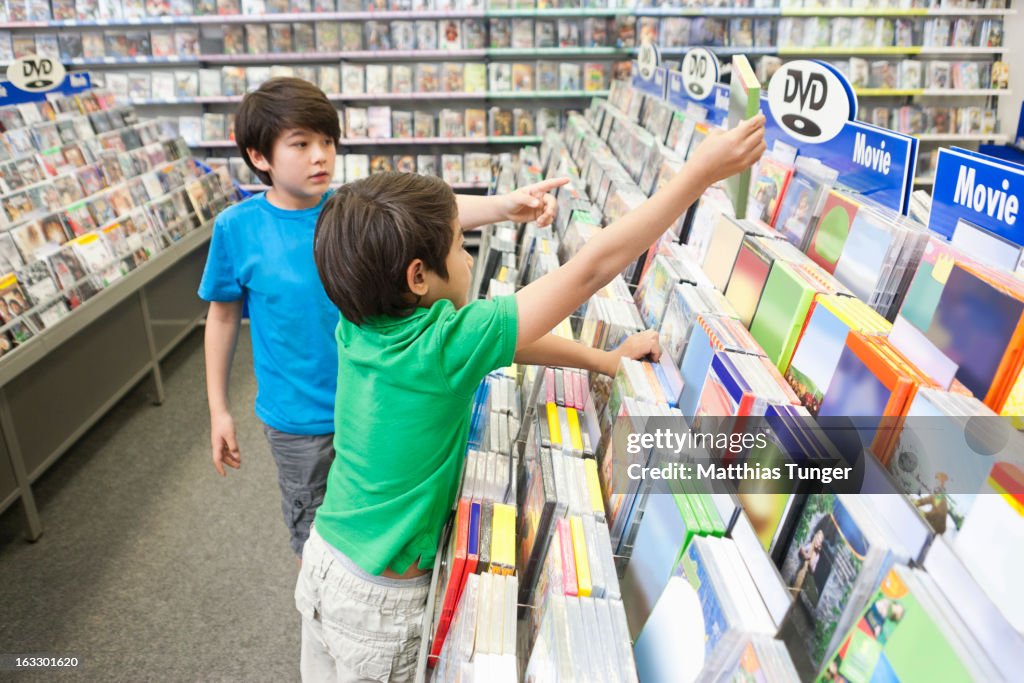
(503, 538)
(556, 431)
(579, 551)
(593, 486)
(574, 430)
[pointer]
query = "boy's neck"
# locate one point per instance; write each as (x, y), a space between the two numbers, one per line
(289, 202)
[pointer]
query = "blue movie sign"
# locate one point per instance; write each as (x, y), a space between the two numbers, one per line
(73, 83)
(980, 189)
(655, 85)
(876, 162)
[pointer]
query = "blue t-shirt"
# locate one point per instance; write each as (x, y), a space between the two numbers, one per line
(265, 254)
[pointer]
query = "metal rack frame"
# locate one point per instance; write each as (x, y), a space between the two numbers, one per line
(74, 372)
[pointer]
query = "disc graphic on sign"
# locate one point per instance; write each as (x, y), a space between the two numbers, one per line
(647, 60)
(33, 73)
(809, 101)
(700, 73)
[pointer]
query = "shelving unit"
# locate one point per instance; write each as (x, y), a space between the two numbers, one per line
(930, 92)
(208, 27)
(358, 142)
(87, 361)
(552, 13)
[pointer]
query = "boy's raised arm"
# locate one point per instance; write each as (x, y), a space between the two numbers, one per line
(558, 351)
(547, 301)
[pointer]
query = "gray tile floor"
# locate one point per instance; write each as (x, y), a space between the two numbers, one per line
(152, 567)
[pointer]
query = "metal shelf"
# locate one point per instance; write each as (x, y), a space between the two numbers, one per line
(930, 92)
(914, 50)
(359, 142)
(390, 97)
(15, 361)
(932, 137)
(258, 187)
(553, 13)
(890, 12)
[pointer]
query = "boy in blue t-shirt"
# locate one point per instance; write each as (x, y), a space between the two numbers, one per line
(412, 349)
(262, 253)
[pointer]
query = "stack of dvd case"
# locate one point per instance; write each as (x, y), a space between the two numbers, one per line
(710, 607)
(88, 194)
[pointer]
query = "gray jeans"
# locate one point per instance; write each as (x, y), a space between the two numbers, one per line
(302, 466)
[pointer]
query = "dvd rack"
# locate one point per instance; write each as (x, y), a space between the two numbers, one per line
(724, 335)
(105, 220)
(167, 37)
(748, 577)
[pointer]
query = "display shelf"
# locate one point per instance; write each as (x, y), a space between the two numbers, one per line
(891, 12)
(568, 52)
(914, 50)
(90, 359)
(717, 49)
(15, 362)
(930, 92)
(501, 140)
(131, 61)
(979, 137)
(387, 97)
(259, 187)
(360, 142)
(553, 13)
(707, 12)
(1003, 49)
(313, 57)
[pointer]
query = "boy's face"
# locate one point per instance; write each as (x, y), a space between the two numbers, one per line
(302, 166)
(460, 273)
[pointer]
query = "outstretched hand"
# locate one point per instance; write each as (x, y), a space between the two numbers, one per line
(640, 346)
(726, 153)
(533, 202)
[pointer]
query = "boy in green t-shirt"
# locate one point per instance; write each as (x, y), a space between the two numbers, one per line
(411, 351)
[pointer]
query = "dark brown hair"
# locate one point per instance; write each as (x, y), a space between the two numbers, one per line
(368, 233)
(278, 105)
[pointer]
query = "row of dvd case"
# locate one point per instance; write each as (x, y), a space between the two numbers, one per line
(933, 74)
(813, 629)
(80, 215)
(91, 10)
(527, 78)
(97, 10)
(882, 32)
(455, 169)
(309, 37)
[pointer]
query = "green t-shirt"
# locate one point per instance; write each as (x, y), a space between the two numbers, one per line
(405, 394)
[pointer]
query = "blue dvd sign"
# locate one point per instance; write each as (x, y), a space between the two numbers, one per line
(876, 162)
(983, 190)
(654, 85)
(72, 83)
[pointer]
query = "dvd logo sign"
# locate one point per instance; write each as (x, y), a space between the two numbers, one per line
(700, 73)
(809, 101)
(35, 74)
(647, 60)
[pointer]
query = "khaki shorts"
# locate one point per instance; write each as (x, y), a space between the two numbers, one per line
(356, 627)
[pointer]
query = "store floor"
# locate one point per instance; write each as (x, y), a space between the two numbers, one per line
(152, 567)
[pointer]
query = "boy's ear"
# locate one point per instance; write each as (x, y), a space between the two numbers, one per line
(258, 160)
(416, 277)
